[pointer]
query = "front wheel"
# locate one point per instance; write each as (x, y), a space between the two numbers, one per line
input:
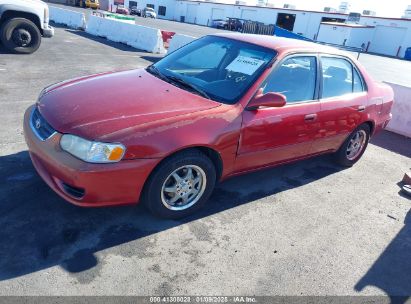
(20, 35)
(353, 147)
(180, 185)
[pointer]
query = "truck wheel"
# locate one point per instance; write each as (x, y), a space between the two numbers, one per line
(20, 35)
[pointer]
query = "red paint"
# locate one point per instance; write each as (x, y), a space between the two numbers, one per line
(155, 119)
(167, 37)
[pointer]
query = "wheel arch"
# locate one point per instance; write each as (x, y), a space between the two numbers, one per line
(12, 13)
(211, 153)
(370, 124)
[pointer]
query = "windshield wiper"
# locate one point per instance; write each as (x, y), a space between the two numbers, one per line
(154, 70)
(189, 85)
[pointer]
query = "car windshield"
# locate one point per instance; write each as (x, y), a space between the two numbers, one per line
(218, 68)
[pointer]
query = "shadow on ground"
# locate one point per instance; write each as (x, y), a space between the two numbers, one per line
(40, 230)
(391, 272)
(393, 142)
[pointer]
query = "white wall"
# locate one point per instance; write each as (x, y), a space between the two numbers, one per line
(333, 34)
(401, 110)
(307, 23)
(169, 4)
(383, 34)
(360, 36)
(391, 22)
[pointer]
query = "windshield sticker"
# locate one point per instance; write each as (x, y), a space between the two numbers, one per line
(245, 65)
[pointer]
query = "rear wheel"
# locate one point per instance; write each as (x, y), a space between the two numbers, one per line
(20, 35)
(353, 147)
(180, 185)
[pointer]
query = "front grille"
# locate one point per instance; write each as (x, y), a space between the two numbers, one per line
(40, 126)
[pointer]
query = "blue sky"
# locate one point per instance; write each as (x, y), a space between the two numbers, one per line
(384, 8)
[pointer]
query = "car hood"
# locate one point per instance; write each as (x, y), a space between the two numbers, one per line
(96, 106)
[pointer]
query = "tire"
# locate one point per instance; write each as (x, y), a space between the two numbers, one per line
(20, 27)
(347, 155)
(160, 202)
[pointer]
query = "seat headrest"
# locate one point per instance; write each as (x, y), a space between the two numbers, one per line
(337, 73)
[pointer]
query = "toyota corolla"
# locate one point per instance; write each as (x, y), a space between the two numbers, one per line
(220, 106)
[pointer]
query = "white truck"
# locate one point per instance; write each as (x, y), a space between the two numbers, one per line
(22, 24)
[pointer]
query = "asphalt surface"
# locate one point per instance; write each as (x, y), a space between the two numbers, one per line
(309, 228)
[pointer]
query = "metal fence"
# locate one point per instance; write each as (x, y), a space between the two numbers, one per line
(252, 27)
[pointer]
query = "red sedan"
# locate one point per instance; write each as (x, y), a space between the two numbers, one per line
(121, 9)
(221, 106)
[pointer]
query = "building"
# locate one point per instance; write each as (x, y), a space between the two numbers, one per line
(387, 36)
(407, 13)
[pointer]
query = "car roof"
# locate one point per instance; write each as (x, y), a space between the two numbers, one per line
(283, 45)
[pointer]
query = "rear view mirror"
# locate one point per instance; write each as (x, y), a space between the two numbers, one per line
(269, 100)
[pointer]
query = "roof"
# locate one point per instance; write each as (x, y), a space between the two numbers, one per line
(281, 44)
(295, 10)
(352, 25)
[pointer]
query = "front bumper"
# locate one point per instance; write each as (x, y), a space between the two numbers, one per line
(48, 31)
(100, 184)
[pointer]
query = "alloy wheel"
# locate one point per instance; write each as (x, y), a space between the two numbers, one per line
(356, 144)
(183, 187)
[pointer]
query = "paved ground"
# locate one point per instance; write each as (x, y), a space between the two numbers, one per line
(309, 228)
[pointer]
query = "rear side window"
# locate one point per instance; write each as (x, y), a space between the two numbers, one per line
(339, 77)
(358, 82)
(295, 78)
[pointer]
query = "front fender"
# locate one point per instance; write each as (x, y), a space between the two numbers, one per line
(38, 12)
(217, 128)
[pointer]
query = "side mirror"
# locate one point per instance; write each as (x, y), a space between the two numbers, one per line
(269, 100)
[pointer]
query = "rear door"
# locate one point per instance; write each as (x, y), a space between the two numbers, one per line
(343, 99)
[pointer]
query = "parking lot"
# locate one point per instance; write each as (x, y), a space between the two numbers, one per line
(309, 228)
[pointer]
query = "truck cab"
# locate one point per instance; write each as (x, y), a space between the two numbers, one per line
(22, 25)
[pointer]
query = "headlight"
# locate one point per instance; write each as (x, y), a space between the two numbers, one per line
(91, 151)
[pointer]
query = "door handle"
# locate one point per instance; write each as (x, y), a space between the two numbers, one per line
(361, 108)
(310, 117)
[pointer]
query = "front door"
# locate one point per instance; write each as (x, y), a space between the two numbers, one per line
(275, 135)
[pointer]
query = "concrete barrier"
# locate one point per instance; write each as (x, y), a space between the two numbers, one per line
(69, 18)
(401, 110)
(178, 41)
(137, 36)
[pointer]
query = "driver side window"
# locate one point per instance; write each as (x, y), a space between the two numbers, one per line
(295, 78)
